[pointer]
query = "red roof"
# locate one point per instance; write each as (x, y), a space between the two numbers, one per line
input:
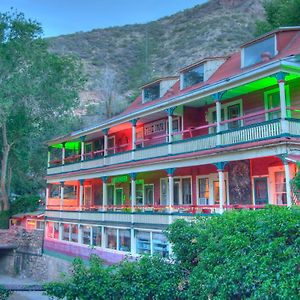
(231, 67)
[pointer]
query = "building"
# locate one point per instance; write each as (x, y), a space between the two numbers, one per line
(29, 220)
(222, 135)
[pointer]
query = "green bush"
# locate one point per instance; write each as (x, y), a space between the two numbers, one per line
(4, 293)
(26, 203)
(4, 219)
(237, 255)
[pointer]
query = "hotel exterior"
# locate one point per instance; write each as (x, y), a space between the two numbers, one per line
(222, 135)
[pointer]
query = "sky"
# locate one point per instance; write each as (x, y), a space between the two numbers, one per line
(68, 16)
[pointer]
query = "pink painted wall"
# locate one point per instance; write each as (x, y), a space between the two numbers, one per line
(194, 117)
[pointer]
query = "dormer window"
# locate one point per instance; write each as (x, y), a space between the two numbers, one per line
(192, 76)
(261, 51)
(151, 92)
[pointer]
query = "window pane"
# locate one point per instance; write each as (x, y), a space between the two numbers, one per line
(54, 191)
(193, 76)
(124, 240)
(163, 191)
(139, 194)
(151, 92)
(86, 235)
(66, 232)
(203, 184)
(149, 194)
(160, 244)
(70, 192)
(97, 236)
(253, 53)
(111, 238)
(56, 230)
(143, 242)
(280, 188)
(186, 191)
(74, 233)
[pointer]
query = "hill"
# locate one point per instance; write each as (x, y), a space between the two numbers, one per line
(139, 53)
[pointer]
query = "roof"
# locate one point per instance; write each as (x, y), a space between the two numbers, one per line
(36, 214)
(229, 69)
(159, 80)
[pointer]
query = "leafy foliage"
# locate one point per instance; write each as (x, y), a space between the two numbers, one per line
(238, 255)
(4, 293)
(27, 203)
(279, 13)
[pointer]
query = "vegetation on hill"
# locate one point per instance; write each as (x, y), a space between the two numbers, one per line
(138, 53)
(238, 255)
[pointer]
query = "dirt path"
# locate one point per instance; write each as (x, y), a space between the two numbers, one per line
(4, 279)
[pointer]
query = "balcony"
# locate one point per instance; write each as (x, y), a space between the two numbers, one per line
(189, 143)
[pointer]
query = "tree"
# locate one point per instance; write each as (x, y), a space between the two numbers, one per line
(37, 89)
(279, 13)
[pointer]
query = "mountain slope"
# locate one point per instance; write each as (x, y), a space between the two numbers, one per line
(138, 53)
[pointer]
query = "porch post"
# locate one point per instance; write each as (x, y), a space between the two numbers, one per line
(62, 185)
(171, 172)
(220, 168)
(105, 131)
(133, 190)
(49, 156)
(132, 242)
(81, 190)
(63, 153)
(104, 191)
(281, 82)
(47, 194)
(80, 235)
(170, 112)
(60, 231)
(217, 98)
(287, 184)
(133, 143)
(82, 138)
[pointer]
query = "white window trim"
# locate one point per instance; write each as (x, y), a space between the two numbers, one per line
(225, 106)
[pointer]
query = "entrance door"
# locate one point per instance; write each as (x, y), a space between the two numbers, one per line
(216, 193)
(176, 191)
(88, 196)
(261, 190)
(233, 111)
(119, 196)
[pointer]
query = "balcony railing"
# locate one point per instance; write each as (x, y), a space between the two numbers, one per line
(240, 134)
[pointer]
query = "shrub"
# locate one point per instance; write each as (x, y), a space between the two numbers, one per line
(4, 293)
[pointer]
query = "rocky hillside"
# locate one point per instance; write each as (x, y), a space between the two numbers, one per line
(138, 53)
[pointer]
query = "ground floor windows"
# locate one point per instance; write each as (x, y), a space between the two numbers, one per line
(143, 244)
(86, 234)
(97, 236)
(111, 238)
(261, 190)
(280, 188)
(203, 191)
(124, 240)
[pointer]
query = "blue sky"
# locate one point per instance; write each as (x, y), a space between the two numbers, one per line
(68, 16)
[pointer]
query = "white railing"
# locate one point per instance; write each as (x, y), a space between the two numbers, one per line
(118, 158)
(195, 144)
(151, 152)
(294, 127)
(252, 133)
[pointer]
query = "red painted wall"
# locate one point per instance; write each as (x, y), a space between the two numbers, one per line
(194, 117)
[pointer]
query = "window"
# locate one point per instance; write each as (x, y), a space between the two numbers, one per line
(111, 238)
(54, 191)
(66, 232)
(98, 194)
(88, 196)
(110, 194)
(143, 242)
(50, 230)
(254, 53)
(139, 194)
(74, 233)
(86, 235)
(151, 92)
(111, 145)
(70, 192)
(56, 231)
(149, 194)
(203, 191)
(124, 240)
(88, 148)
(163, 191)
(97, 236)
(280, 188)
(139, 137)
(119, 196)
(193, 76)
(186, 191)
(160, 244)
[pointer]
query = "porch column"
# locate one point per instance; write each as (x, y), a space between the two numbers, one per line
(47, 194)
(287, 184)
(62, 186)
(104, 191)
(82, 139)
(133, 138)
(49, 156)
(217, 98)
(133, 190)
(60, 231)
(80, 234)
(105, 131)
(81, 190)
(132, 242)
(170, 112)
(220, 168)
(63, 153)
(281, 83)
(171, 172)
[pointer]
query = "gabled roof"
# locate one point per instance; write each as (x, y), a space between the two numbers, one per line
(158, 80)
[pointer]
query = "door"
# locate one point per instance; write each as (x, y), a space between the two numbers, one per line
(119, 196)
(176, 191)
(88, 196)
(234, 111)
(216, 193)
(149, 194)
(261, 190)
